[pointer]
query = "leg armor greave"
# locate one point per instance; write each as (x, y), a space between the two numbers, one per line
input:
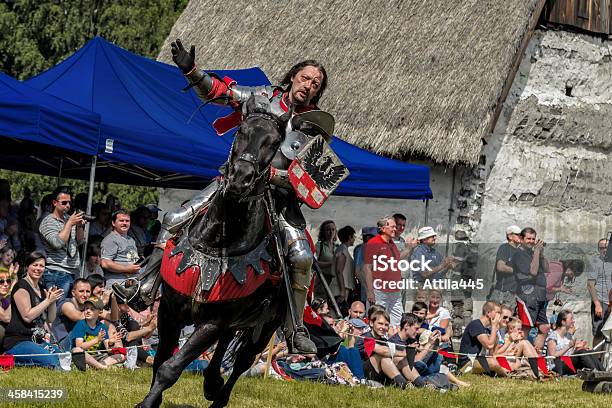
(175, 219)
(299, 255)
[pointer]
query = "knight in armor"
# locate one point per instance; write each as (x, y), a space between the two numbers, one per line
(301, 89)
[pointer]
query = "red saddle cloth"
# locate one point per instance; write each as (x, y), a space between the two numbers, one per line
(225, 288)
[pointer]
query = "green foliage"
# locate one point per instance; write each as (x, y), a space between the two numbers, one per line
(37, 34)
(130, 196)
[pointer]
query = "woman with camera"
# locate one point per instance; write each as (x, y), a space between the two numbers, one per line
(33, 309)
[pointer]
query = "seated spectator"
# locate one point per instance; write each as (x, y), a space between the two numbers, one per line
(419, 309)
(7, 256)
(514, 346)
(481, 334)
(371, 310)
(346, 352)
(119, 252)
(426, 362)
(98, 289)
(506, 317)
(33, 308)
(439, 318)
(380, 366)
(7, 281)
(132, 332)
(93, 260)
(70, 312)
(561, 342)
(357, 327)
(357, 310)
(319, 306)
(91, 335)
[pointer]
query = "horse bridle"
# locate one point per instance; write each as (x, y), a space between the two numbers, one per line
(252, 160)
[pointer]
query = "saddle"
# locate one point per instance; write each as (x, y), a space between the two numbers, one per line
(207, 276)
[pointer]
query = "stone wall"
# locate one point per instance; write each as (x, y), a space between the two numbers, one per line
(548, 163)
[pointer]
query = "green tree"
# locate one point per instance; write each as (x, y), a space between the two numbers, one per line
(130, 196)
(37, 34)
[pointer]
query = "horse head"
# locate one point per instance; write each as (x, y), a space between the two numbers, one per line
(255, 144)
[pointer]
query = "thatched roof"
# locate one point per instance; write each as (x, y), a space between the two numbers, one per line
(406, 78)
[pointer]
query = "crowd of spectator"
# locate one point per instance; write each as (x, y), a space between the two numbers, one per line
(55, 291)
(55, 297)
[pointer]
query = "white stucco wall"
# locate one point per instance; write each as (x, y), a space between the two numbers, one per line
(549, 160)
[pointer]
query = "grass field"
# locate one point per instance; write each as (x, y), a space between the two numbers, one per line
(124, 388)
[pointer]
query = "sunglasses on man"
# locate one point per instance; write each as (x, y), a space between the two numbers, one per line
(5, 281)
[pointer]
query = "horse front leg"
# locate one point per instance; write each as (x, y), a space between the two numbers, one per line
(169, 330)
(170, 370)
(245, 357)
(213, 382)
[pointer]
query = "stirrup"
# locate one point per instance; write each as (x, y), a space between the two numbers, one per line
(135, 301)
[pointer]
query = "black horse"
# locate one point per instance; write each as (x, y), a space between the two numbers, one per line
(236, 222)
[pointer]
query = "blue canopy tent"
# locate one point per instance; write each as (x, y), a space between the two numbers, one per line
(41, 133)
(157, 136)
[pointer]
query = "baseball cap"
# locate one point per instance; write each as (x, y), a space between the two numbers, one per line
(358, 323)
(369, 231)
(513, 229)
(96, 302)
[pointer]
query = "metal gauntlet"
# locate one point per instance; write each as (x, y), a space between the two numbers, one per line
(201, 82)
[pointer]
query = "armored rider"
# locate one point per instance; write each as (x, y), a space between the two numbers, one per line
(301, 88)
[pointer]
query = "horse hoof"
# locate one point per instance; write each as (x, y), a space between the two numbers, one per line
(212, 387)
(218, 404)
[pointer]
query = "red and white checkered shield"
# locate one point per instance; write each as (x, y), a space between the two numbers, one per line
(316, 172)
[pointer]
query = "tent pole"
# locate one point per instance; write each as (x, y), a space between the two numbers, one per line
(426, 212)
(59, 174)
(92, 177)
(451, 210)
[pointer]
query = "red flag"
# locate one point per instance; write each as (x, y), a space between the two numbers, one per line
(369, 344)
(119, 350)
(568, 362)
(542, 365)
(447, 354)
(7, 362)
(504, 362)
